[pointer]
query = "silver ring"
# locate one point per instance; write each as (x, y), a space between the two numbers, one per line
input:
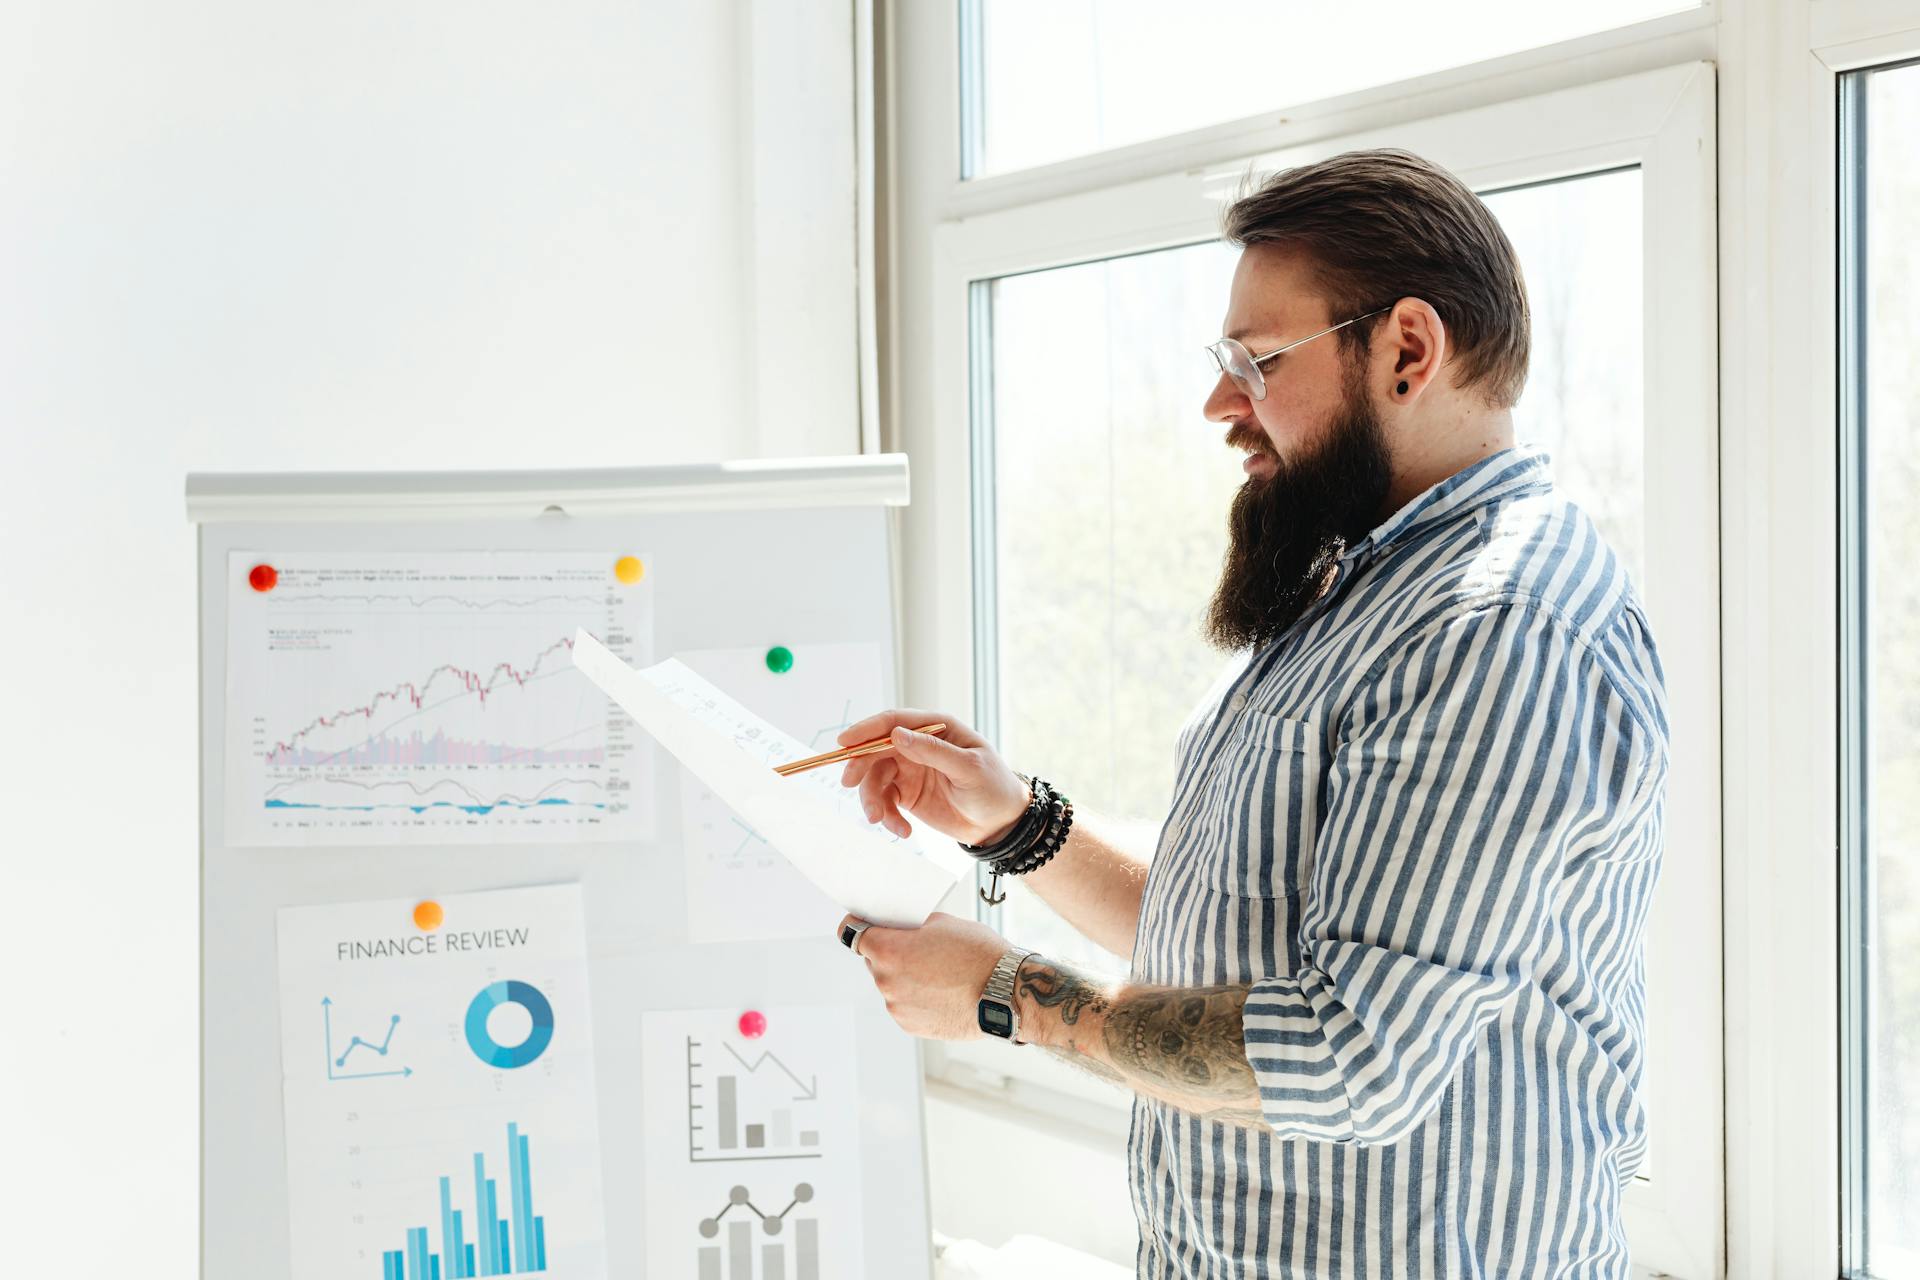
(850, 935)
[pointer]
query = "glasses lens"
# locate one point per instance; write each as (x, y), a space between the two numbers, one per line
(1237, 363)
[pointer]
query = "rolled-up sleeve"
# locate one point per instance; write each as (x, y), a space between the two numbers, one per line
(1481, 753)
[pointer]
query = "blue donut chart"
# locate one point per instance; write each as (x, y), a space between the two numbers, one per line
(486, 1048)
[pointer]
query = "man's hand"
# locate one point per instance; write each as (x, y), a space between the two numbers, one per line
(932, 977)
(954, 783)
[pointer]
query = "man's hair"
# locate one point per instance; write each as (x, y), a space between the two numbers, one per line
(1379, 226)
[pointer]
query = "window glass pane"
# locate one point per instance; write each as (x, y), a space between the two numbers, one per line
(1111, 491)
(1579, 247)
(1110, 496)
(1884, 707)
(1061, 78)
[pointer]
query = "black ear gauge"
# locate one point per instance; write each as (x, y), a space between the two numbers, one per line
(1403, 388)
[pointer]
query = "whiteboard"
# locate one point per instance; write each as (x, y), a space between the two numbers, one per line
(739, 555)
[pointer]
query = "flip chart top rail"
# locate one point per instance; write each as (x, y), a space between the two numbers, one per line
(861, 480)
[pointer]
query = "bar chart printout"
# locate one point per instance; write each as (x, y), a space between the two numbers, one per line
(770, 1169)
(724, 1133)
(501, 1236)
(438, 1079)
(777, 1234)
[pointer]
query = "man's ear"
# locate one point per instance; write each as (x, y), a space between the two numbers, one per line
(1416, 339)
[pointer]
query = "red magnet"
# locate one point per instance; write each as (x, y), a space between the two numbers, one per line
(753, 1024)
(263, 577)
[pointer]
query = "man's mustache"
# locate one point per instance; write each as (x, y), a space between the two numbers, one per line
(1245, 435)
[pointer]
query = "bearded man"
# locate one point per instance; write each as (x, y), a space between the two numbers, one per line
(1385, 1015)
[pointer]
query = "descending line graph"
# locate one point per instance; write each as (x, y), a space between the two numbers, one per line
(387, 698)
(768, 1143)
(720, 1101)
(809, 1089)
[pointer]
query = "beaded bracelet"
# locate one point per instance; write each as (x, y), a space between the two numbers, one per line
(1032, 842)
(1023, 831)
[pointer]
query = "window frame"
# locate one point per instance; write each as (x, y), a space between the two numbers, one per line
(1782, 551)
(1659, 119)
(1855, 639)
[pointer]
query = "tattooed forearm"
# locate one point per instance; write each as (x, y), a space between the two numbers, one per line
(1183, 1046)
(1189, 1040)
(1054, 987)
(1075, 1003)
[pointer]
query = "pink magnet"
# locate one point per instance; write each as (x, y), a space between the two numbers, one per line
(753, 1024)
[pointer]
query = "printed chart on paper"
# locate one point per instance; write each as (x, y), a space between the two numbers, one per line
(441, 1111)
(431, 698)
(753, 1150)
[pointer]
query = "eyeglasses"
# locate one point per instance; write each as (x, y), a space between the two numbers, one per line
(1243, 366)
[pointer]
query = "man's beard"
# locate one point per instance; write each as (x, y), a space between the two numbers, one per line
(1288, 529)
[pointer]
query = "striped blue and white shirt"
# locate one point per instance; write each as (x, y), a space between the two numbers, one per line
(1424, 826)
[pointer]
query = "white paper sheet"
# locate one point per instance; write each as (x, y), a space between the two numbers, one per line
(752, 1145)
(425, 698)
(739, 887)
(399, 1130)
(809, 817)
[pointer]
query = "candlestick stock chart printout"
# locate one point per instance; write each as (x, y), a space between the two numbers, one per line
(431, 698)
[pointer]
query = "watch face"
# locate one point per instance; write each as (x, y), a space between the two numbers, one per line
(995, 1019)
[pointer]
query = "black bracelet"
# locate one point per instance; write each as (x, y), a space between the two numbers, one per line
(1022, 831)
(1037, 855)
(1032, 842)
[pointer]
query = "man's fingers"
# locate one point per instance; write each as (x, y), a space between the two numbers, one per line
(880, 796)
(849, 932)
(882, 723)
(891, 818)
(953, 761)
(862, 938)
(873, 788)
(875, 941)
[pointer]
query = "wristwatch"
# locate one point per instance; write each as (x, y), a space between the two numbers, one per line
(998, 1016)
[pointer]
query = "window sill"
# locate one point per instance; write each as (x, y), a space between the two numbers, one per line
(1026, 1082)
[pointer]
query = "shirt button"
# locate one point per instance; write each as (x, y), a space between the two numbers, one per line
(1238, 702)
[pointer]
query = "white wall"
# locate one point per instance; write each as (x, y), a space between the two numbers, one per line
(246, 235)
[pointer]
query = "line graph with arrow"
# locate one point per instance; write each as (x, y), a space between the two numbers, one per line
(337, 1063)
(749, 1109)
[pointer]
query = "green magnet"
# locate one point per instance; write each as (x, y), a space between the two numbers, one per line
(779, 659)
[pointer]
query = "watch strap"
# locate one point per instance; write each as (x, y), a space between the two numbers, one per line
(1001, 985)
(1000, 981)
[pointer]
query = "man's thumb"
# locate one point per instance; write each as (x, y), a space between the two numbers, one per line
(926, 749)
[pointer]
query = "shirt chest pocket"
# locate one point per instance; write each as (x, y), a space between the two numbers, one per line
(1260, 810)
